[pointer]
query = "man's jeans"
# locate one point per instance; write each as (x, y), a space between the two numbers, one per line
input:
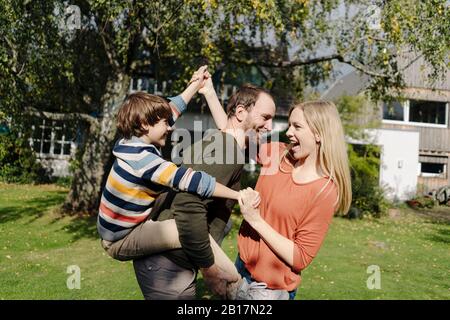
(161, 279)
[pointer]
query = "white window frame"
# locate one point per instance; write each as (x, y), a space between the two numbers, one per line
(417, 124)
(157, 89)
(53, 141)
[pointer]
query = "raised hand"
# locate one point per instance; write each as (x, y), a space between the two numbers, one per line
(208, 87)
(197, 81)
(199, 77)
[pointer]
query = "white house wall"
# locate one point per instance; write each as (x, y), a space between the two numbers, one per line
(399, 162)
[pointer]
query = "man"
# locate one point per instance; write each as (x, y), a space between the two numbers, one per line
(172, 274)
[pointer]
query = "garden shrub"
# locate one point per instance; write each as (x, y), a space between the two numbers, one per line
(422, 202)
(18, 163)
(368, 196)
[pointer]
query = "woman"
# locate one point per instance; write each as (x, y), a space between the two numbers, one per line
(310, 183)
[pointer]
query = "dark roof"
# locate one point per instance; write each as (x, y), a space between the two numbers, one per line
(351, 84)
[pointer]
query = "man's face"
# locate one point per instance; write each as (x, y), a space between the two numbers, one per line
(259, 118)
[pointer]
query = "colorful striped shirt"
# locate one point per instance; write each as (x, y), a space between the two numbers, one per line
(138, 176)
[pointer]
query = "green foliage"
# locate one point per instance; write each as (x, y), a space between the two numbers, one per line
(357, 113)
(18, 162)
(64, 182)
(423, 202)
(368, 196)
(67, 69)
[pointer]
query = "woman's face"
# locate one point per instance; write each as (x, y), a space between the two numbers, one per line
(303, 140)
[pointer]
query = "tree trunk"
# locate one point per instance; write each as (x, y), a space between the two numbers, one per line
(96, 160)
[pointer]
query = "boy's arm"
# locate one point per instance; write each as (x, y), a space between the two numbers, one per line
(153, 168)
(179, 103)
(217, 112)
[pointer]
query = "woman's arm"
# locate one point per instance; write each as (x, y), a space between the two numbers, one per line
(307, 238)
(281, 246)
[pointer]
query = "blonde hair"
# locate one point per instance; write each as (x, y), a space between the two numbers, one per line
(323, 119)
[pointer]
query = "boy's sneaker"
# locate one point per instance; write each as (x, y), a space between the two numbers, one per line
(259, 291)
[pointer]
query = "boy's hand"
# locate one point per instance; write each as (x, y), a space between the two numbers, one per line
(248, 199)
(196, 82)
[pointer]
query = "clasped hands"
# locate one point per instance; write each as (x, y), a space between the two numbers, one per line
(203, 80)
(249, 201)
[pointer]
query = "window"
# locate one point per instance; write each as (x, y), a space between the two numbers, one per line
(437, 168)
(433, 166)
(52, 139)
(148, 84)
(393, 110)
(427, 112)
(416, 112)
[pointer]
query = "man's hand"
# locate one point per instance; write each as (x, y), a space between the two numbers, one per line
(216, 279)
(208, 87)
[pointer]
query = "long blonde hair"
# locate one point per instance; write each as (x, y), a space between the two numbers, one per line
(324, 120)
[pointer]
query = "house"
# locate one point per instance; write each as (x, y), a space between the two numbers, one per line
(414, 134)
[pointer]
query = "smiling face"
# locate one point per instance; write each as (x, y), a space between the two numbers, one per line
(303, 140)
(157, 134)
(259, 117)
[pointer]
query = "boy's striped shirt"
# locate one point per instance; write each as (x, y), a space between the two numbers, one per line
(139, 174)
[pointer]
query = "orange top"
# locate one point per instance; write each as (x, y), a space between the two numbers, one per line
(294, 210)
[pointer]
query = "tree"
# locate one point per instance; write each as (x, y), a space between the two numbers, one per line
(83, 74)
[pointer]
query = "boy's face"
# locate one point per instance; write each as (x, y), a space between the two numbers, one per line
(157, 134)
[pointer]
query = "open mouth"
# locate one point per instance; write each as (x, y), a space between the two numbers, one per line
(295, 146)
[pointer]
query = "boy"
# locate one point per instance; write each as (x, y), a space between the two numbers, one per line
(139, 173)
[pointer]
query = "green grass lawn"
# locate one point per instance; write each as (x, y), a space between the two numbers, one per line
(37, 244)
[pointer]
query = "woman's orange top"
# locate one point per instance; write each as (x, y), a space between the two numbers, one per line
(296, 211)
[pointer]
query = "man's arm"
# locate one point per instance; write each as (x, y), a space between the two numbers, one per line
(217, 112)
(190, 213)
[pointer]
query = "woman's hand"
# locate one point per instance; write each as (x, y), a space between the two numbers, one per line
(249, 201)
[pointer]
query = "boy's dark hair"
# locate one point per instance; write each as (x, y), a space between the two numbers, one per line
(246, 96)
(139, 109)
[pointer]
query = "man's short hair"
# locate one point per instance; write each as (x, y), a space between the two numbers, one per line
(246, 96)
(139, 109)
